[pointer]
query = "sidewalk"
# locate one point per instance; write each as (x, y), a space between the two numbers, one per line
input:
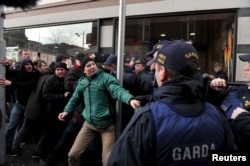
(25, 158)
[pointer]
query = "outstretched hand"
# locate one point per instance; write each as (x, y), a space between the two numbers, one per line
(135, 103)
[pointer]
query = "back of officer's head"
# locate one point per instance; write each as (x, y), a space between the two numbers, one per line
(179, 58)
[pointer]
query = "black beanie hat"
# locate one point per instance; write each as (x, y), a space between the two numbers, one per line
(61, 64)
(80, 56)
(85, 60)
(59, 58)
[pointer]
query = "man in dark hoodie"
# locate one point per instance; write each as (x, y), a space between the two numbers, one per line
(24, 83)
(34, 112)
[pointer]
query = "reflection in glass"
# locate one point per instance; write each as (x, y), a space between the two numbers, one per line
(50, 41)
(207, 32)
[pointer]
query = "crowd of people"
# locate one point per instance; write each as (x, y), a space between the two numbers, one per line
(69, 110)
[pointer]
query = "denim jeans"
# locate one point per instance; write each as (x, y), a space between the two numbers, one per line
(16, 119)
(33, 127)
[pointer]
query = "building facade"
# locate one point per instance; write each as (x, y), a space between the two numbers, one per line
(218, 29)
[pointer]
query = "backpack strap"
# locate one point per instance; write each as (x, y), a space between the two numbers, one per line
(139, 112)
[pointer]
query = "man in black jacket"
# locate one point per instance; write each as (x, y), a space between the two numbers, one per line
(56, 98)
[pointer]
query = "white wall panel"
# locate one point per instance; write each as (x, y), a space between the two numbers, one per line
(243, 34)
(106, 37)
(164, 6)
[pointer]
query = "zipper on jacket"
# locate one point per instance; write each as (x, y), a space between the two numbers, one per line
(90, 110)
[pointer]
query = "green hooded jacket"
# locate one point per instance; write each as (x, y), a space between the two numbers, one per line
(98, 94)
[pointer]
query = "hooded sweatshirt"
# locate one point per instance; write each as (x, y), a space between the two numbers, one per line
(24, 81)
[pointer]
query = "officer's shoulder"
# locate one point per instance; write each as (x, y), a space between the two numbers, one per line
(236, 89)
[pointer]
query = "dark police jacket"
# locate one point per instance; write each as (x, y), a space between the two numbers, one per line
(177, 129)
(234, 97)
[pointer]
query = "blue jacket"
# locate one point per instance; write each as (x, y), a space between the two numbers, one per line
(238, 96)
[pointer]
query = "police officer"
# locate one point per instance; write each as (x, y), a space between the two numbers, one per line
(143, 78)
(236, 105)
(176, 128)
(152, 54)
(110, 65)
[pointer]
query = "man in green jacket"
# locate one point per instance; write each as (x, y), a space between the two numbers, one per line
(97, 90)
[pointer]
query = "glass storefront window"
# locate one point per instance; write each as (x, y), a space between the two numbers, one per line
(211, 34)
(68, 40)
